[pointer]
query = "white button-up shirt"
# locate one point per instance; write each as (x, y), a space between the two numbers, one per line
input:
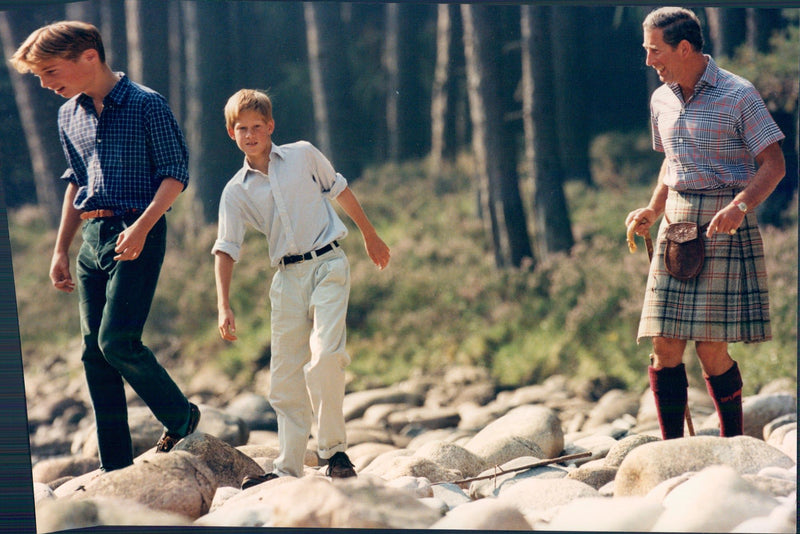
(290, 206)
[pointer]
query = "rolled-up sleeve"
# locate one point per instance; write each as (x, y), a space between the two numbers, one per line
(170, 154)
(230, 228)
(331, 183)
(339, 184)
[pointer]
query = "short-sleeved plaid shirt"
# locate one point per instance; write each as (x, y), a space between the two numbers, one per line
(119, 159)
(711, 140)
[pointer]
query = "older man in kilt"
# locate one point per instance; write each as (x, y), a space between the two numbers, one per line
(722, 158)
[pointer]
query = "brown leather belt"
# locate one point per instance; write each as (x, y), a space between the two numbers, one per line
(288, 260)
(102, 214)
(97, 214)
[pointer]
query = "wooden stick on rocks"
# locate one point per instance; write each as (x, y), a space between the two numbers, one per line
(523, 468)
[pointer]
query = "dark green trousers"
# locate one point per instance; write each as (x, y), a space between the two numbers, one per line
(115, 299)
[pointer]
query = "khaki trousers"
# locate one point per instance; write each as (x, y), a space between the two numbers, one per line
(309, 307)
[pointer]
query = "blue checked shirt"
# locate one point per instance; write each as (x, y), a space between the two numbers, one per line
(119, 159)
(711, 140)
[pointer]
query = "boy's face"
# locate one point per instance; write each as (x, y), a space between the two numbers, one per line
(252, 133)
(66, 77)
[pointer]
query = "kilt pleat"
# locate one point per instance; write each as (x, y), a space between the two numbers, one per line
(728, 301)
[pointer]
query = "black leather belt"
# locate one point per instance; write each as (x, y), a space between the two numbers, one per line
(288, 260)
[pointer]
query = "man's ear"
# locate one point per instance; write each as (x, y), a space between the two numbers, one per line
(271, 126)
(91, 55)
(231, 133)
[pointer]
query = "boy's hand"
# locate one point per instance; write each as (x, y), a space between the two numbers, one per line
(130, 243)
(227, 325)
(60, 275)
(378, 251)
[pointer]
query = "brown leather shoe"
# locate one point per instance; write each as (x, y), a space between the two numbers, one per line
(169, 440)
(340, 466)
(255, 480)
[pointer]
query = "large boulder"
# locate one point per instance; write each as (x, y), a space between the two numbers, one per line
(534, 495)
(412, 466)
(650, 464)
(601, 514)
(255, 410)
(228, 464)
(68, 514)
(451, 456)
(178, 482)
(314, 502)
(483, 515)
(611, 406)
(496, 478)
(714, 500)
(356, 403)
(524, 425)
(54, 468)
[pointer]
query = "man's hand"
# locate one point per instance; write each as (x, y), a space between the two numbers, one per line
(644, 217)
(60, 275)
(227, 325)
(726, 221)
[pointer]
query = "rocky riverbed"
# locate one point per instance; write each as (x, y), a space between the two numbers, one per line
(432, 452)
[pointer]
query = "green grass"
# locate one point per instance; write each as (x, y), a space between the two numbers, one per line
(441, 301)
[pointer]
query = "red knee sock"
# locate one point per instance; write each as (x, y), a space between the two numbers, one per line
(670, 389)
(726, 390)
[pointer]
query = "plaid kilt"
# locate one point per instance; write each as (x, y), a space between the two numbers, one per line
(728, 301)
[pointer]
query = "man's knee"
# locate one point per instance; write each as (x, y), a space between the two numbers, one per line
(120, 351)
(667, 352)
(714, 357)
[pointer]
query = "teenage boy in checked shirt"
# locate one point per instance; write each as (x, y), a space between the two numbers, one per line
(127, 162)
(722, 159)
(284, 192)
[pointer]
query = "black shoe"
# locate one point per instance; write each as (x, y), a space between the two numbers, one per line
(169, 440)
(250, 481)
(340, 466)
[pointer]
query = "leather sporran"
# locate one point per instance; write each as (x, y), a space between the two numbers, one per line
(685, 252)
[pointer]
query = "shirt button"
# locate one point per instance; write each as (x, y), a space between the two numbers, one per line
(99, 141)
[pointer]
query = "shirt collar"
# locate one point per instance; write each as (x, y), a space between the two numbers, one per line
(711, 74)
(117, 96)
(276, 150)
(710, 77)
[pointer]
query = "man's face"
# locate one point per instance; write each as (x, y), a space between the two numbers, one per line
(65, 77)
(667, 61)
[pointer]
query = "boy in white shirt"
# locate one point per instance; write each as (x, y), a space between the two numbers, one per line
(284, 192)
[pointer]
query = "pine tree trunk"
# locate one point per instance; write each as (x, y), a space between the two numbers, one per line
(441, 77)
(147, 30)
(391, 66)
(330, 84)
(38, 109)
(211, 152)
(552, 230)
(495, 155)
(570, 89)
(113, 28)
(727, 29)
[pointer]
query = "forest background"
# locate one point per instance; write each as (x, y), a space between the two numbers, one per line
(496, 148)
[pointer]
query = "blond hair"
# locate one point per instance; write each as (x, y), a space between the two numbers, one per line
(67, 39)
(247, 99)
